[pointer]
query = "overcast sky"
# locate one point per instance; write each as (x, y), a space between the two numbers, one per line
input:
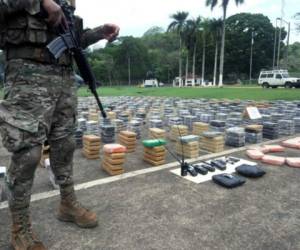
(135, 17)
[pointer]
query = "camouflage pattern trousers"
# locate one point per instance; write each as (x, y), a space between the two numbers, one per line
(39, 103)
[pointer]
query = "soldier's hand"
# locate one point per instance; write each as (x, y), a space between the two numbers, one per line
(110, 31)
(56, 16)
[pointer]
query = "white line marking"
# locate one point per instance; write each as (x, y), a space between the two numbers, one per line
(90, 184)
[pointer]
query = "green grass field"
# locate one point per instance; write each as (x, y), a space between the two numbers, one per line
(243, 93)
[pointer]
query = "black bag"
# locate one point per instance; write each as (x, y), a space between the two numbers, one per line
(250, 171)
(228, 180)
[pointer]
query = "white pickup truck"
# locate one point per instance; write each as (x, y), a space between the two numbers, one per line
(277, 78)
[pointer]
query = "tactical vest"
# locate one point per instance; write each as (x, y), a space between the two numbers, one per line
(23, 29)
(23, 35)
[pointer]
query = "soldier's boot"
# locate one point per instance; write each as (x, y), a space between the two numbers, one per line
(70, 210)
(22, 236)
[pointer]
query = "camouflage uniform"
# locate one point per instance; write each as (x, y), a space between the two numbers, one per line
(39, 99)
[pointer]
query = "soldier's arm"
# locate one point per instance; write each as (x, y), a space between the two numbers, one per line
(91, 36)
(88, 37)
(11, 6)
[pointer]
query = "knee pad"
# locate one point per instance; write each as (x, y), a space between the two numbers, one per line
(24, 163)
(61, 159)
(20, 174)
(63, 146)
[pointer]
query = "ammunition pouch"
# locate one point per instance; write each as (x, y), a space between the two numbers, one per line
(41, 55)
(23, 28)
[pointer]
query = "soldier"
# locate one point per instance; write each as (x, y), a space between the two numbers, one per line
(40, 103)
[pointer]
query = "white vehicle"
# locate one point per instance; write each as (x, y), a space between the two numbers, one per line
(151, 83)
(277, 78)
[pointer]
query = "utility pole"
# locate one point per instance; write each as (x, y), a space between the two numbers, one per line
(280, 32)
(203, 58)
(279, 43)
(251, 56)
(275, 44)
(287, 46)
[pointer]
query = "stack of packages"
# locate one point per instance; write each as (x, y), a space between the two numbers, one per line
(78, 138)
(297, 124)
(135, 126)
(81, 124)
(221, 116)
(277, 116)
(154, 151)
(108, 133)
(178, 131)
(200, 127)
(206, 118)
(157, 133)
(128, 139)
(234, 122)
(124, 117)
(94, 116)
(254, 134)
(91, 146)
(142, 115)
(188, 146)
(92, 128)
(212, 141)
(189, 120)
(119, 125)
(174, 121)
(217, 125)
(286, 127)
(156, 123)
(270, 130)
(85, 115)
(114, 158)
(111, 115)
(235, 137)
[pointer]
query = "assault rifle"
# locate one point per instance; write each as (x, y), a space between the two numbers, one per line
(67, 40)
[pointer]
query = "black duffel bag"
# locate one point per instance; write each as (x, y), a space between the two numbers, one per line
(228, 180)
(250, 171)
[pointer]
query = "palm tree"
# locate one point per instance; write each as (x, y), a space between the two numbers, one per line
(215, 27)
(193, 26)
(212, 4)
(178, 25)
(204, 27)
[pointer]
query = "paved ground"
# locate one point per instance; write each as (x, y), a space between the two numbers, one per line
(163, 211)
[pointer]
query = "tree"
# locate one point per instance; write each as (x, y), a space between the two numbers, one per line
(178, 26)
(212, 4)
(239, 30)
(154, 31)
(294, 57)
(163, 54)
(205, 30)
(133, 53)
(215, 27)
(193, 26)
